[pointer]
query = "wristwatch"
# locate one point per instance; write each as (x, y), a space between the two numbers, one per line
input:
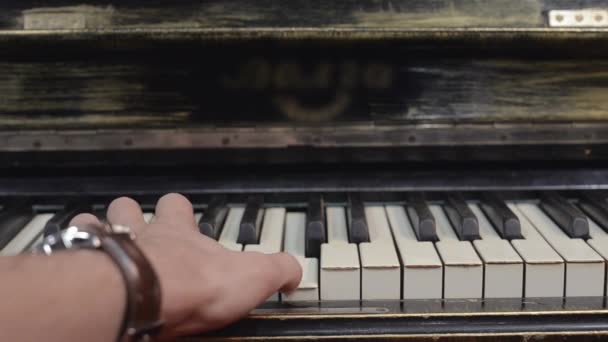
(142, 314)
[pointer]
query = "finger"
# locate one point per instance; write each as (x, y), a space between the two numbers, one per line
(127, 212)
(267, 274)
(84, 220)
(290, 272)
(175, 210)
(250, 278)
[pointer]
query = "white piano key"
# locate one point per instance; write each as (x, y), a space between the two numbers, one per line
(271, 236)
(595, 231)
(463, 271)
(230, 232)
(584, 267)
(148, 217)
(380, 267)
(294, 231)
(544, 268)
(37, 242)
(422, 267)
(444, 230)
(197, 217)
(340, 268)
(27, 236)
(503, 267)
(598, 241)
(308, 289)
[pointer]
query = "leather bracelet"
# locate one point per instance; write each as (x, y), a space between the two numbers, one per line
(143, 305)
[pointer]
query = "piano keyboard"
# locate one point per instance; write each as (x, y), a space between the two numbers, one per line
(418, 249)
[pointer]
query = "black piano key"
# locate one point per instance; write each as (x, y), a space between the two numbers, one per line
(568, 217)
(13, 218)
(62, 218)
(213, 217)
(596, 207)
(315, 227)
(421, 218)
(462, 218)
(249, 228)
(504, 220)
(357, 223)
(100, 213)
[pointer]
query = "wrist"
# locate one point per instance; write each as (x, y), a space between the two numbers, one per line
(141, 319)
(105, 292)
(105, 274)
(83, 287)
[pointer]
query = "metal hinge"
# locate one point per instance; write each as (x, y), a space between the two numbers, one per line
(578, 18)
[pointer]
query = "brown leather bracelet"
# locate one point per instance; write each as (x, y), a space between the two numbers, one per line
(143, 308)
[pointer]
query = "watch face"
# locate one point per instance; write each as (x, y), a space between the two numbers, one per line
(69, 238)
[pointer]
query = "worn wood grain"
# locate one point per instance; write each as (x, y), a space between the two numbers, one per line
(266, 91)
(248, 14)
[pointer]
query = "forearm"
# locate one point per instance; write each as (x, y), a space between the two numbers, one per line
(70, 296)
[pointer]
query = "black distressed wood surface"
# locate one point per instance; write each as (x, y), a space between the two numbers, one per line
(75, 94)
(281, 15)
(301, 13)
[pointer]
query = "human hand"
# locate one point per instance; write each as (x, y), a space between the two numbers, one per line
(204, 286)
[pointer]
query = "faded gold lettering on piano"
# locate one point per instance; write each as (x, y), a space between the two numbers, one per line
(304, 91)
(260, 74)
(296, 110)
(294, 76)
(378, 76)
(254, 75)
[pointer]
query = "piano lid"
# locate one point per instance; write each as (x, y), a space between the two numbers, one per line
(238, 19)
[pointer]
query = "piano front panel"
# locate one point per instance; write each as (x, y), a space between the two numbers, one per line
(432, 164)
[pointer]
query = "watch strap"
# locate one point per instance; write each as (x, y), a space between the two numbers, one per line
(142, 313)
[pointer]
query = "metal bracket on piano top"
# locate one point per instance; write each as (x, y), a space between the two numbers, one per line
(578, 18)
(67, 18)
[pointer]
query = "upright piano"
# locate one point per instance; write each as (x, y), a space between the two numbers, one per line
(438, 167)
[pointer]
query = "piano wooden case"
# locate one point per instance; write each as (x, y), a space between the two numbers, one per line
(373, 100)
